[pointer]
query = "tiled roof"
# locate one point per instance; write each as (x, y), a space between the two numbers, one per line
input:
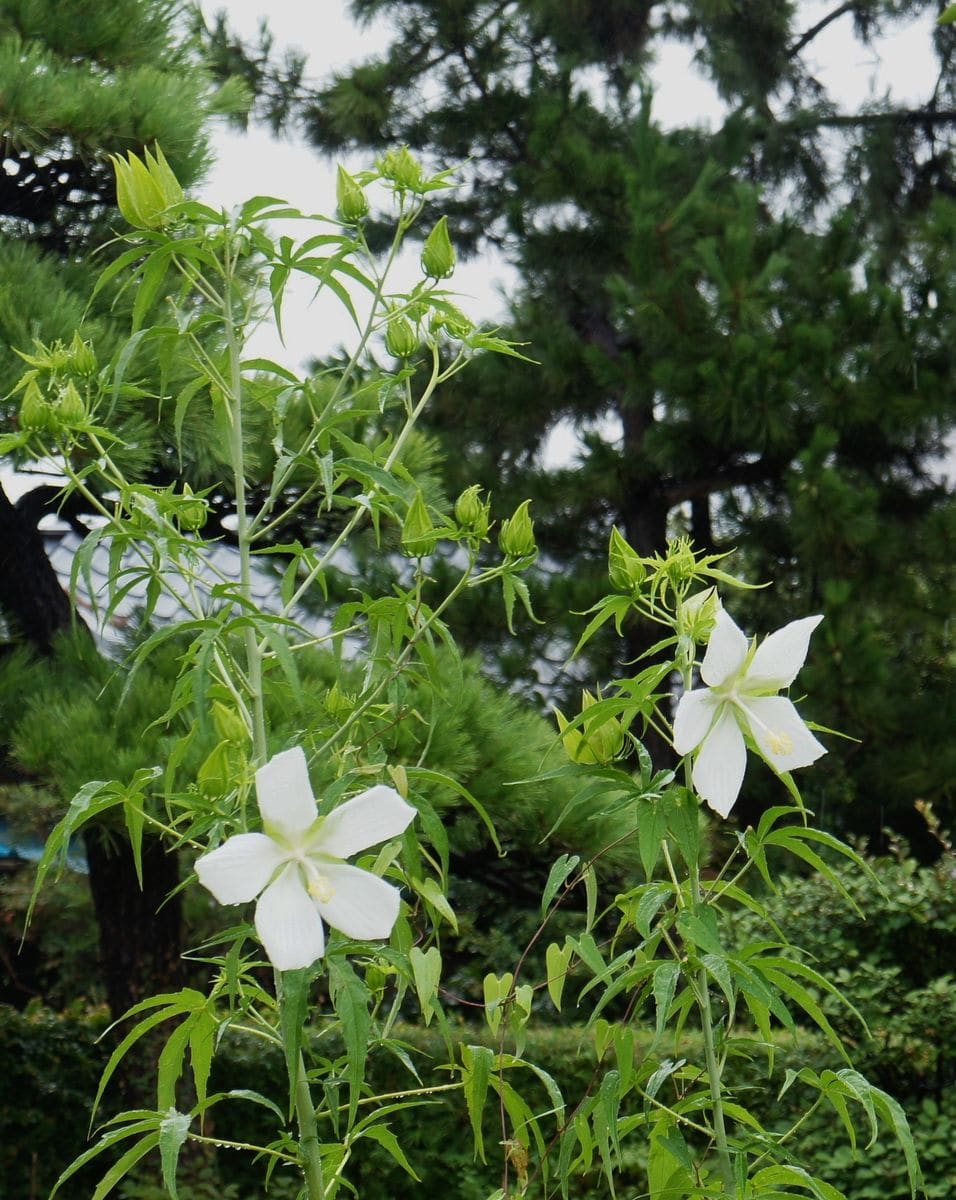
(93, 588)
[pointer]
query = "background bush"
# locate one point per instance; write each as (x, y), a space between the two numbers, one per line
(44, 1106)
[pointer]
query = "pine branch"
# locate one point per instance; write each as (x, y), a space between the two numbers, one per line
(806, 38)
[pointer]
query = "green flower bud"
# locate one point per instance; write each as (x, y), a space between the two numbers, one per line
(36, 414)
(145, 189)
(70, 408)
(229, 724)
(215, 776)
(681, 562)
(402, 169)
(472, 513)
(624, 565)
(337, 703)
(418, 534)
(698, 615)
(594, 742)
(192, 511)
(438, 254)
(352, 201)
(401, 338)
(82, 358)
(452, 320)
(516, 538)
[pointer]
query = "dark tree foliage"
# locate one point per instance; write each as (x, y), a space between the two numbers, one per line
(78, 82)
(748, 326)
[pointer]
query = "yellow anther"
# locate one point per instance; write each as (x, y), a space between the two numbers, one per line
(780, 743)
(321, 889)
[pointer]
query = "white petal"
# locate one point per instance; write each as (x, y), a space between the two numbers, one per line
(779, 658)
(783, 738)
(240, 868)
(372, 816)
(362, 905)
(288, 923)
(285, 794)
(720, 765)
(695, 715)
(726, 651)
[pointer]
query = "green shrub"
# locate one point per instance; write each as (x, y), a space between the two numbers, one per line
(44, 1110)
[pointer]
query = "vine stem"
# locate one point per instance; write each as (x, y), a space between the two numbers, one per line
(724, 1162)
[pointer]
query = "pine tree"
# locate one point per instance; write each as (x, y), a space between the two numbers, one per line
(749, 327)
(77, 83)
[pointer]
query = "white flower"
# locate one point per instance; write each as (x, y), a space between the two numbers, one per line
(740, 699)
(297, 864)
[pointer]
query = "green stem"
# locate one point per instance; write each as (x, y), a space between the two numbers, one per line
(309, 1146)
(724, 1162)
(243, 532)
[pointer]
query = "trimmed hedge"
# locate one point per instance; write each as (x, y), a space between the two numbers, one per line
(52, 1066)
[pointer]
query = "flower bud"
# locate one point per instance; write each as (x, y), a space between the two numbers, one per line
(82, 358)
(401, 340)
(70, 408)
(593, 742)
(472, 513)
(215, 776)
(681, 562)
(438, 254)
(352, 201)
(337, 703)
(229, 724)
(419, 536)
(36, 414)
(192, 511)
(452, 320)
(145, 189)
(402, 169)
(516, 538)
(624, 566)
(698, 615)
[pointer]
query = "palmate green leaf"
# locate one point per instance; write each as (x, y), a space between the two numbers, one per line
(796, 967)
(141, 1121)
(669, 1165)
(781, 1174)
(684, 824)
(351, 998)
(793, 839)
(784, 982)
(389, 1142)
(664, 988)
(170, 1005)
(441, 780)
(651, 829)
(124, 1165)
(173, 1131)
(611, 607)
(93, 799)
(293, 1007)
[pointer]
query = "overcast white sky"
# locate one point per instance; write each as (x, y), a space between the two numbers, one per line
(254, 163)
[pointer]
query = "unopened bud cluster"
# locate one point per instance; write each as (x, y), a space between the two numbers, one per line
(438, 254)
(473, 516)
(516, 538)
(52, 400)
(419, 535)
(146, 188)
(350, 198)
(593, 741)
